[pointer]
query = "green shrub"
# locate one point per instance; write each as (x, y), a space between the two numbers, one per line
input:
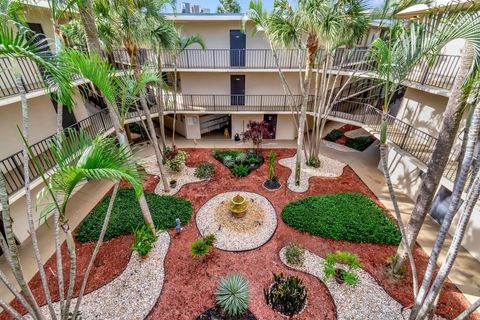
(241, 158)
(204, 170)
(334, 135)
(144, 240)
(252, 160)
(199, 248)
(330, 269)
(286, 295)
(177, 162)
(240, 170)
(127, 216)
(232, 295)
(342, 216)
(271, 165)
(313, 161)
(295, 254)
(359, 143)
(221, 154)
(210, 239)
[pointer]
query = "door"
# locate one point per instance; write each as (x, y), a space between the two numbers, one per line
(237, 48)
(271, 120)
(237, 90)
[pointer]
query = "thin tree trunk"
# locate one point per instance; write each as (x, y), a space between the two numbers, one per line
(10, 310)
(87, 17)
(153, 135)
(174, 103)
(311, 51)
(73, 267)
(424, 301)
(439, 159)
(95, 251)
(31, 225)
(468, 311)
(161, 103)
(393, 196)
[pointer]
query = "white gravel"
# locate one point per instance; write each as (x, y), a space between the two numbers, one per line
(338, 147)
(133, 293)
(329, 168)
(237, 241)
(185, 176)
(367, 300)
(357, 133)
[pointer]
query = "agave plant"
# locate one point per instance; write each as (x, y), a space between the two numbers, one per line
(233, 294)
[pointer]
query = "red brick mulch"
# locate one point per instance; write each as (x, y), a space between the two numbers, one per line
(190, 283)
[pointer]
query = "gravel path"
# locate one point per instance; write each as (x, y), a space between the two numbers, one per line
(365, 301)
(133, 293)
(328, 168)
(183, 177)
(237, 234)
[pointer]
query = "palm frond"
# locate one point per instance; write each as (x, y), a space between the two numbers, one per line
(186, 41)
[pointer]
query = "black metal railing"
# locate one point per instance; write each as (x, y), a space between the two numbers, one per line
(12, 166)
(441, 73)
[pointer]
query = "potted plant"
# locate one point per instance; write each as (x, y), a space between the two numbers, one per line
(173, 183)
(272, 182)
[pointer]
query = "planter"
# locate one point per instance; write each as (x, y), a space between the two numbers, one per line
(173, 184)
(339, 276)
(272, 185)
(238, 206)
(217, 313)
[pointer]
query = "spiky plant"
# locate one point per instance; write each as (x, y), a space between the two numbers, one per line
(233, 294)
(199, 248)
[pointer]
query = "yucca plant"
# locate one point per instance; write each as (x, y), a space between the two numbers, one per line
(233, 295)
(199, 248)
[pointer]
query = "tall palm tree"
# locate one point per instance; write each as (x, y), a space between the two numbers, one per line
(115, 93)
(80, 159)
(87, 18)
(313, 25)
(183, 42)
(395, 58)
(17, 41)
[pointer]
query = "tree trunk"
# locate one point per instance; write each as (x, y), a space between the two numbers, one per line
(30, 222)
(424, 301)
(439, 159)
(95, 251)
(174, 104)
(133, 52)
(87, 17)
(311, 52)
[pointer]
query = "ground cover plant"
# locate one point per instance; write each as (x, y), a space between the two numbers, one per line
(342, 216)
(144, 240)
(341, 274)
(126, 215)
(295, 254)
(204, 170)
(240, 163)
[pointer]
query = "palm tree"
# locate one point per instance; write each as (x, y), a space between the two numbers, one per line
(17, 41)
(183, 42)
(87, 18)
(116, 95)
(313, 24)
(395, 58)
(80, 159)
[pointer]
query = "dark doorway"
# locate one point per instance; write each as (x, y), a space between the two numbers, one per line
(237, 90)
(238, 44)
(271, 120)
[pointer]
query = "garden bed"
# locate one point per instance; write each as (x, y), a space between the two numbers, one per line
(240, 163)
(216, 313)
(350, 136)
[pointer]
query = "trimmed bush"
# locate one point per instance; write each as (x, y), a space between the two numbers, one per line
(127, 216)
(334, 135)
(359, 143)
(342, 216)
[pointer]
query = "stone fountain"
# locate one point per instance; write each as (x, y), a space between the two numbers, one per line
(238, 206)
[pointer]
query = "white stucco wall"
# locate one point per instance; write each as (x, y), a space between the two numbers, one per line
(285, 127)
(42, 122)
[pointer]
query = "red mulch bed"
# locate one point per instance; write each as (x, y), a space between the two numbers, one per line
(190, 283)
(348, 127)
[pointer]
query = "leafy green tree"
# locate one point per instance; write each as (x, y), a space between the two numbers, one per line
(229, 6)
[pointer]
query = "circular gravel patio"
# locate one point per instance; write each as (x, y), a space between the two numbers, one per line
(237, 234)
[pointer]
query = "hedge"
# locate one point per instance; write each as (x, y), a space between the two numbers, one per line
(126, 215)
(342, 216)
